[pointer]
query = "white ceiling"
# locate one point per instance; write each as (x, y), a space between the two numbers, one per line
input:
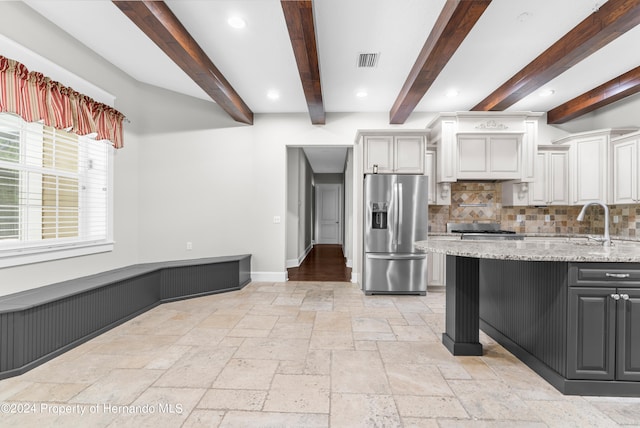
(259, 58)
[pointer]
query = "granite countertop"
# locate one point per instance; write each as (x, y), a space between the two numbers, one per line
(550, 248)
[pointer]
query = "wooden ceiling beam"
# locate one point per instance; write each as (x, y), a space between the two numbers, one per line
(614, 90)
(614, 18)
(157, 21)
(298, 15)
(452, 26)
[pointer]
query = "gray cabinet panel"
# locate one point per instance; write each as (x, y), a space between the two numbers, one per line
(628, 364)
(592, 339)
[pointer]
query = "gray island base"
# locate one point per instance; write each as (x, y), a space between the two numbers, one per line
(569, 311)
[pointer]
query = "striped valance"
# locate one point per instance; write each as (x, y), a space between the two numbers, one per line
(36, 97)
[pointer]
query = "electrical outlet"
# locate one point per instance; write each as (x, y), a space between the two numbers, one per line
(520, 218)
(189, 246)
(547, 218)
(616, 219)
(276, 219)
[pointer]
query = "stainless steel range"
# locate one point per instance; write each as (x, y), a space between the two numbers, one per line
(482, 231)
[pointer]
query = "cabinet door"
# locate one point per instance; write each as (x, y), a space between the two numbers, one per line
(409, 155)
(538, 189)
(589, 168)
(378, 151)
(473, 157)
(504, 157)
(628, 360)
(436, 269)
(625, 172)
(558, 178)
(430, 171)
(591, 334)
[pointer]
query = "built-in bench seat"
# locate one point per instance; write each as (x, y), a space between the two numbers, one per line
(39, 324)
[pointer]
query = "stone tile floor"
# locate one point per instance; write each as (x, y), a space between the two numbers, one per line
(295, 354)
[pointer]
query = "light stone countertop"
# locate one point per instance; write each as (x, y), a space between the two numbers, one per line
(560, 249)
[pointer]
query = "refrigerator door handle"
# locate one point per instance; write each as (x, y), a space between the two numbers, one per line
(398, 212)
(418, 256)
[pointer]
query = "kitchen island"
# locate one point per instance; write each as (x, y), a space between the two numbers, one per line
(568, 308)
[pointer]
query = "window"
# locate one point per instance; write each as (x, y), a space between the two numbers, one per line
(54, 193)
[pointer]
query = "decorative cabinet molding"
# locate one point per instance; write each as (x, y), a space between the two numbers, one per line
(589, 168)
(439, 193)
(393, 152)
(625, 184)
(485, 145)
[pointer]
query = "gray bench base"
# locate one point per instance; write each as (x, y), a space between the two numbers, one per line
(40, 324)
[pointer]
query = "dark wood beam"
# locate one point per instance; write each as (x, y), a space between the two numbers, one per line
(452, 26)
(298, 15)
(614, 18)
(614, 90)
(157, 21)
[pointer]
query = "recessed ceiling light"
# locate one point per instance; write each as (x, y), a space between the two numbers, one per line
(451, 93)
(361, 93)
(272, 94)
(236, 22)
(547, 92)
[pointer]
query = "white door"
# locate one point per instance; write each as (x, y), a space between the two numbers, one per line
(329, 213)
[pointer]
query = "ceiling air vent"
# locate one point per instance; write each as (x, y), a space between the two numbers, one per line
(368, 60)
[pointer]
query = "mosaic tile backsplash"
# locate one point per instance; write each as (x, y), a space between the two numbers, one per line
(482, 202)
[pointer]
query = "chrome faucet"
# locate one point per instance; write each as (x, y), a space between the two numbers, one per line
(606, 239)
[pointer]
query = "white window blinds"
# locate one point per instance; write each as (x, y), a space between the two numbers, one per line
(54, 188)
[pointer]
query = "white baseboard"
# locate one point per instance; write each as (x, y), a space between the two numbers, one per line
(354, 278)
(269, 276)
(297, 262)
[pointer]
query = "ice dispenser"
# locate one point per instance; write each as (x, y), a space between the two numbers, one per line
(379, 215)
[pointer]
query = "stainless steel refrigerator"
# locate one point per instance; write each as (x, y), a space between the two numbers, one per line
(395, 211)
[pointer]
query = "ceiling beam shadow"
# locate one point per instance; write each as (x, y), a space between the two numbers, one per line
(298, 15)
(612, 19)
(614, 90)
(157, 21)
(456, 20)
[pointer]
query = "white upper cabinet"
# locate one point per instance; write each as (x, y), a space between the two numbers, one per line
(393, 153)
(625, 178)
(551, 182)
(485, 145)
(589, 169)
(488, 157)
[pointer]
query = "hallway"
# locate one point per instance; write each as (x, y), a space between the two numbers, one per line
(325, 262)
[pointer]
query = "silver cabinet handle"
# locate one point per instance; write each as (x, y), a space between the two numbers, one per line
(617, 275)
(615, 296)
(624, 296)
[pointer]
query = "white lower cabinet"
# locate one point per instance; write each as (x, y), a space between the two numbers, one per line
(436, 269)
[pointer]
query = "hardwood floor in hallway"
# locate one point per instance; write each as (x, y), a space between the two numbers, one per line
(325, 262)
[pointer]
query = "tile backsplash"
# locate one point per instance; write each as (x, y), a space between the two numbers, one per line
(482, 202)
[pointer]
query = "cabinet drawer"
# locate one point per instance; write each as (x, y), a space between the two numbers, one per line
(595, 274)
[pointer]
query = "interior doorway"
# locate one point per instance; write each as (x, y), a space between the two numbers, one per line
(319, 216)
